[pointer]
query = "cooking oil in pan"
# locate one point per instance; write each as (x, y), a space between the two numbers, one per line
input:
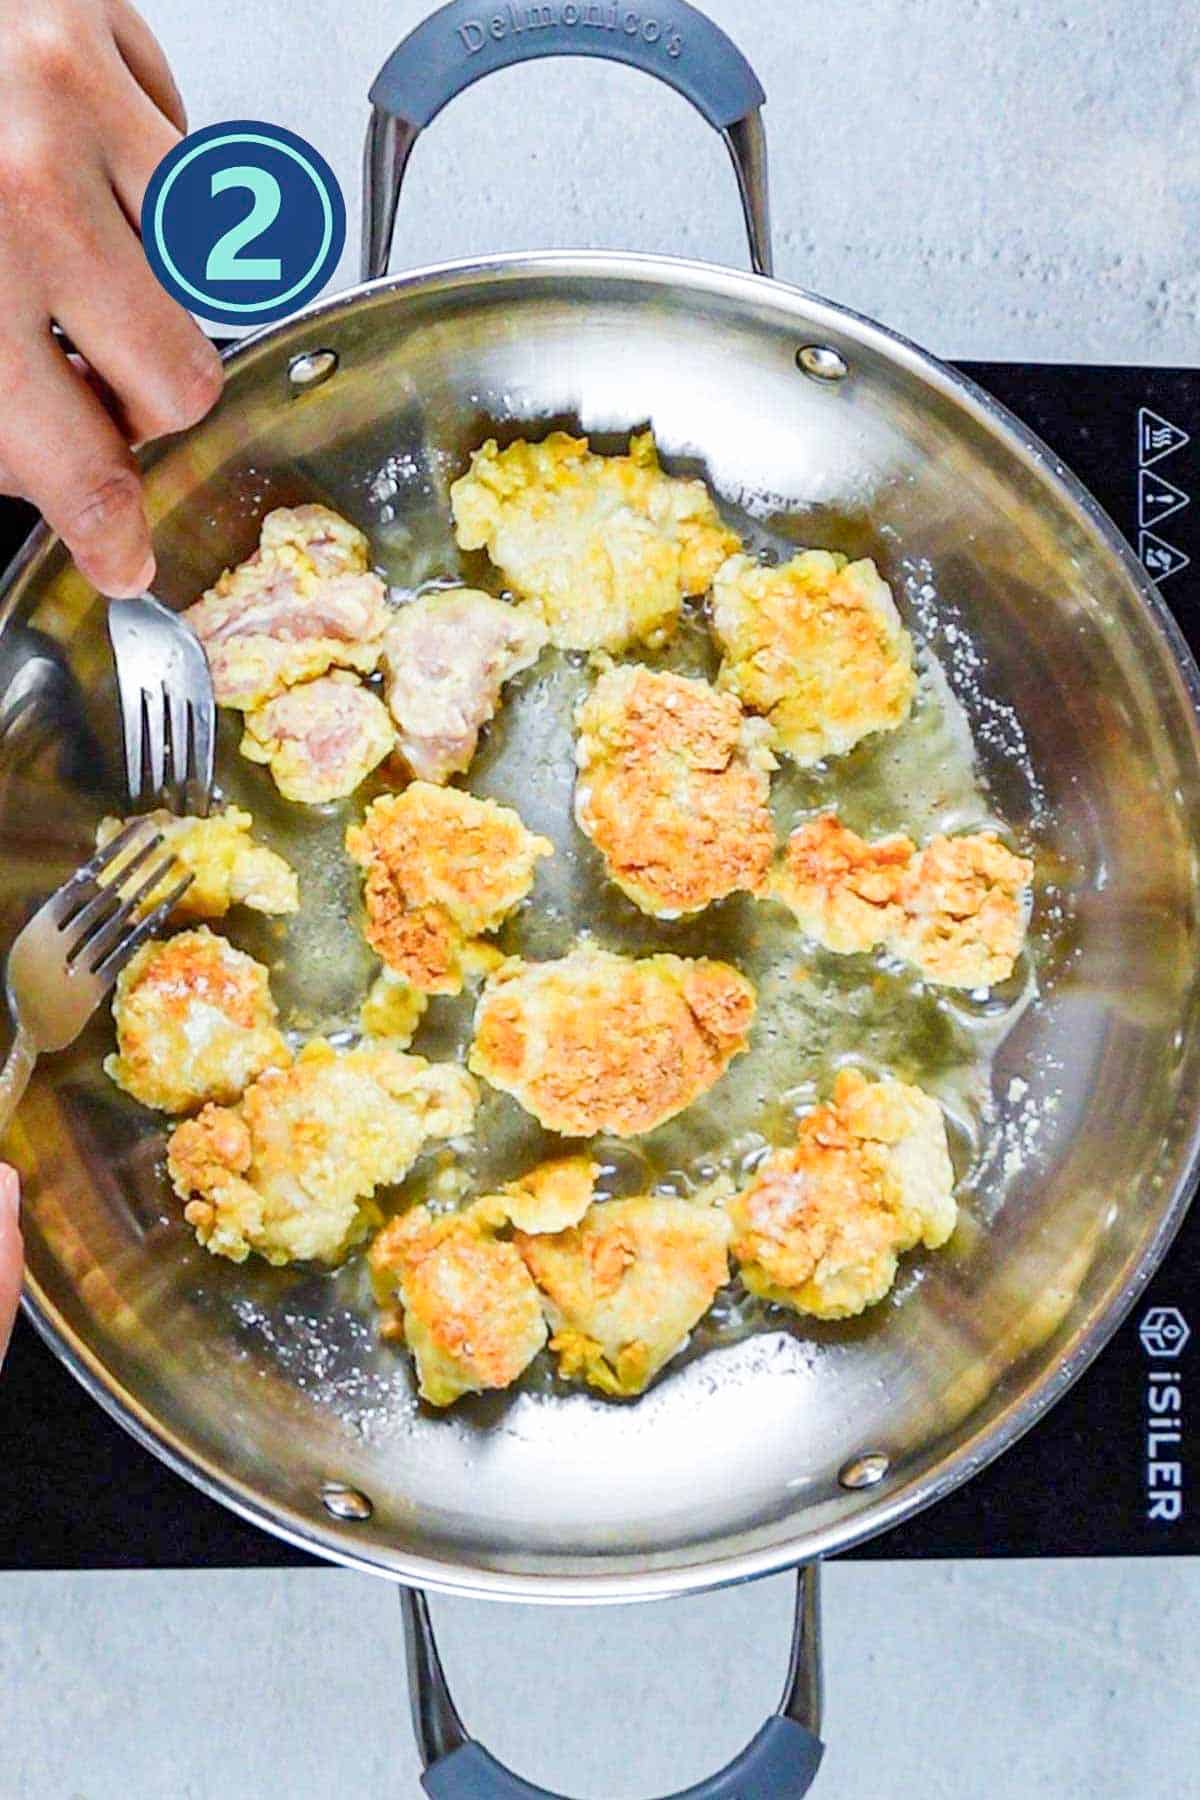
(815, 1010)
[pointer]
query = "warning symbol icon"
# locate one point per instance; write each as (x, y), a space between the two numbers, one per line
(1157, 437)
(1159, 558)
(1158, 498)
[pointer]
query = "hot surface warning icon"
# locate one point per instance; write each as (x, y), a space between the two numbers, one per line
(1157, 437)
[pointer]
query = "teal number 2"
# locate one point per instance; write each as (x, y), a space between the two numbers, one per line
(224, 261)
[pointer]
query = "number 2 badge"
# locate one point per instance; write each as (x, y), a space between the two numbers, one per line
(243, 222)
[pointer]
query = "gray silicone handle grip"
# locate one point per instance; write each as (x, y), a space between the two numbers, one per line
(472, 38)
(468, 39)
(779, 1763)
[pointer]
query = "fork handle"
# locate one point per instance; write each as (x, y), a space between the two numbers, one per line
(14, 1077)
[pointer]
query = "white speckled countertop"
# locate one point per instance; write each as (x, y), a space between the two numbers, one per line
(999, 179)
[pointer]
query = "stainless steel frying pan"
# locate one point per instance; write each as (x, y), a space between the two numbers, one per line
(267, 1389)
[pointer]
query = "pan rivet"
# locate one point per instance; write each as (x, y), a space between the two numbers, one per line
(346, 1503)
(822, 362)
(312, 367)
(864, 1471)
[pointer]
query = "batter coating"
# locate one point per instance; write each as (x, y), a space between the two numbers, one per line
(195, 1022)
(303, 603)
(821, 1227)
(603, 548)
(320, 740)
(599, 1042)
(957, 909)
(460, 1297)
(624, 1288)
(393, 1009)
(816, 646)
(227, 867)
(446, 658)
(673, 790)
(441, 867)
(553, 1195)
(289, 1172)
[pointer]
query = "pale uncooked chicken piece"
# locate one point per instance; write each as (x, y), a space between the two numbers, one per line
(321, 739)
(600, 1042)
(673, 789)
(441, 867)
(290, 1171)
(460, 1297)
(446, 658)
(227, 867)
(624, 1288)
(821, 1227)
(815, 645)
(604, 548)
(958, 909)
(195, 1022)
(303, 603)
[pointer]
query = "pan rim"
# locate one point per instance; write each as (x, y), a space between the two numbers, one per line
(981, 1446)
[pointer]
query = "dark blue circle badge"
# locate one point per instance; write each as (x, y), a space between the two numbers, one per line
(243, 222)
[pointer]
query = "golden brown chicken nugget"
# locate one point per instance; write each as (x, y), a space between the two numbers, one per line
(460, 1297)
(624, 1288)
(674, 789)
(603, 548)
(599, 1042)
(821, 1226)
(816, 646)
(958, 909)
(289, 1172)
(441, 867)
(195, 1022)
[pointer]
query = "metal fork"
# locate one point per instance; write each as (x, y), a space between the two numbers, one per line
(167, 707)
(65, 960)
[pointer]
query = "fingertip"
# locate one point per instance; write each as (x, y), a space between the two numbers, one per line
(110, 539)
(10, 1193)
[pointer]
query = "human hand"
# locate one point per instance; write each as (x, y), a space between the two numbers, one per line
(11, 1252)
(90, 108)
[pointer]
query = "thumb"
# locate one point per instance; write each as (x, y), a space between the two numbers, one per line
(11, 1252)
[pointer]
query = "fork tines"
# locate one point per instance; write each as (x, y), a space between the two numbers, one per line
(167, 710)
(99, 918)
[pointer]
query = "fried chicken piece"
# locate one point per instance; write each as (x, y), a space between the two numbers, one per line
(321, 739)
(604, 548)
(551, 1196)
(460, 1297)
(289, 1172)
(820, 1228)
(441, 867)
(303, 603)
(446, 658)
(226, 866)
(624, 1288)
(816, 646)
(599, 1042)
(393, 1009)
(195, 1022)
(673, 790)
(957, 909)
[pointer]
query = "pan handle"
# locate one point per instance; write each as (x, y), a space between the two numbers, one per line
(468, 39)
(779, 1763)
